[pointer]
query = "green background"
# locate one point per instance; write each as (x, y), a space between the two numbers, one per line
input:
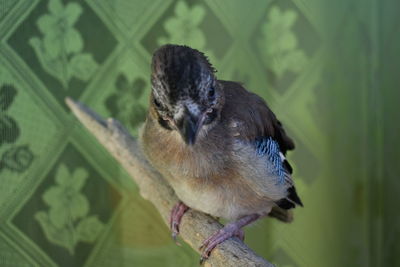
(328, 69)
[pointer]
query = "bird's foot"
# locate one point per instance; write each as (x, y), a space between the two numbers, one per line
(175, 219)
(230, 230)
(218, 237)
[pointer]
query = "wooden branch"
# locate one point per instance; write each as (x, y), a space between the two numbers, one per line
(195, 226)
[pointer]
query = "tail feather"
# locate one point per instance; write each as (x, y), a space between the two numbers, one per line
(291, 200)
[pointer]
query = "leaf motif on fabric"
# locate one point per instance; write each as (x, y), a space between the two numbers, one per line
(124, 104)
(279, 43)
(9, 130)
(183, 28)
(17, 158)
(83, 66)
(64, 237)
(59, 51)
(67, 221)
(89, 228)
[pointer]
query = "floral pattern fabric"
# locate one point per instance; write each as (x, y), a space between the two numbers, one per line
(326, 68)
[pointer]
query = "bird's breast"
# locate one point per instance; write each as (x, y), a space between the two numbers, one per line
(168, 153)
(207, 176)
(196, 162)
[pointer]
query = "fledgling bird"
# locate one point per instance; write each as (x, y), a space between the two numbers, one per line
(219, 146)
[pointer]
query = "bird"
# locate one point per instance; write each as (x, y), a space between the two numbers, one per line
(218, 145)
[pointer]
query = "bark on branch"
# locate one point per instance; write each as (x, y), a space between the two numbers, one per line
(195, 226)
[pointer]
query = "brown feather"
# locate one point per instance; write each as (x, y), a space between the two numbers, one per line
(253, 114)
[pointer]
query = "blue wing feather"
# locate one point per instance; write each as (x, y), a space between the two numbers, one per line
(266, 146)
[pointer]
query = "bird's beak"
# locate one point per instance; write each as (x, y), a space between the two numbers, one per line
(190, 126)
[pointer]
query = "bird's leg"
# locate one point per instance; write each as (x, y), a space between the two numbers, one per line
(176, 215)
(230, 230)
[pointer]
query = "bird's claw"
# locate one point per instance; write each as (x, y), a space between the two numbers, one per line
(217, 238)
(175, 219)
(202, 260)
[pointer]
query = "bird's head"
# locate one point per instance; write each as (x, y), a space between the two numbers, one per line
(185, 92)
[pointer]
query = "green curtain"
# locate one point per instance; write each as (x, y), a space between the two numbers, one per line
(328, 69)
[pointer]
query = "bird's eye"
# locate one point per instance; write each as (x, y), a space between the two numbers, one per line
(157, 103)
(211, 92)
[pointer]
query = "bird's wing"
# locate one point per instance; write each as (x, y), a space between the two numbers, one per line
(280, 167)
(257, 124)
(257, 119)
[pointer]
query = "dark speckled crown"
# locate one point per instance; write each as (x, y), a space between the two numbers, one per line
(179, 70)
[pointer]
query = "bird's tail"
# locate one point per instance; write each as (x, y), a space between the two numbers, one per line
(281, 214)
